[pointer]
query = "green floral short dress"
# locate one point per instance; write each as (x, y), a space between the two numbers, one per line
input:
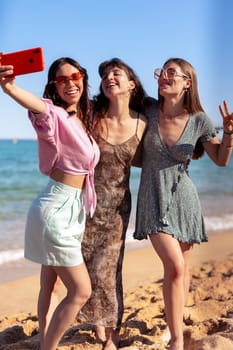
(168, 200)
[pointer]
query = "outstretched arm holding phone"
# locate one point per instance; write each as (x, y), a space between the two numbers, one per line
(24, 61)
(21, 96)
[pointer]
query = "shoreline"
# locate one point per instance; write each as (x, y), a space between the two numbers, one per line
(22, 268)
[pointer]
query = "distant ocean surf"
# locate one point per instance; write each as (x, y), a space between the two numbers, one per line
(20, 181)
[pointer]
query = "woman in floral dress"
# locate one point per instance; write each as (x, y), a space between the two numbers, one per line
(119, 127)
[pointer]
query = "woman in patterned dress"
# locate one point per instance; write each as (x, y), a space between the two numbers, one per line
(168, 210)
(118, 129)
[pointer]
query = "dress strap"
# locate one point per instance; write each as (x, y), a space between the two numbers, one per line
(136, 132)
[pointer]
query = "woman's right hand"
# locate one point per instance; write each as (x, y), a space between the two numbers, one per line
(6, 75)
(21, 96)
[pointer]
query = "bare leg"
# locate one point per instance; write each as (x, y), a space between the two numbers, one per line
(109, 336)
(112, 339)
(171, 254)
(48, 298)
(100, 333)
(77, 283)
(186, 248)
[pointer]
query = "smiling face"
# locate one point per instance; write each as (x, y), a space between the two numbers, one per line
(172, 81)
(115, 82)
(70, 88)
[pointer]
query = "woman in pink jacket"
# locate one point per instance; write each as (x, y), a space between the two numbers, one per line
(56, 219)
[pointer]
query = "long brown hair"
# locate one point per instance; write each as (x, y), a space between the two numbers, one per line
(137, 97)
(191, 99)
(50, 90)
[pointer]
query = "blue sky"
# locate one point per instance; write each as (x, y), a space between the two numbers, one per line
(142, 33)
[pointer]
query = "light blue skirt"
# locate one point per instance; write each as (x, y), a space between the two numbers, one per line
(55, 226)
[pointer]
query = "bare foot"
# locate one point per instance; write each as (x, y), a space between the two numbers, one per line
(113, 340)
(175, 345)
(111, 345)
(166, 336)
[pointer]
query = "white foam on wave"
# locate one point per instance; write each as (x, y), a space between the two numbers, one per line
(215, 223)
(11, 255)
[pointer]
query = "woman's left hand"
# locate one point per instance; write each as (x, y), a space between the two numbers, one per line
(227, 118)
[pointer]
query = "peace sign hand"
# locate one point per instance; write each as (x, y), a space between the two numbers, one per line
(227, 118)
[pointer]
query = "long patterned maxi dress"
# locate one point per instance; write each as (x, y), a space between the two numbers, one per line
(104, 239)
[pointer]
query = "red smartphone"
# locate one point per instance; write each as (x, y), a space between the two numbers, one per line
(25, 61)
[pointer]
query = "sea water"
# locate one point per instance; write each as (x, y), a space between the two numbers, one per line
(21, 181)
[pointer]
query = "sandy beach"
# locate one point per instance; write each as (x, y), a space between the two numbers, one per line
(208, 320)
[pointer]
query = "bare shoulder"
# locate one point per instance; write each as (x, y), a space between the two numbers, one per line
(142, 125)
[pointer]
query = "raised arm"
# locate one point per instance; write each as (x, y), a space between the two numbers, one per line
(21, 96)
(220, 153)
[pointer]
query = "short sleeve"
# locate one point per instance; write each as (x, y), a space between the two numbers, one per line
(208, 130)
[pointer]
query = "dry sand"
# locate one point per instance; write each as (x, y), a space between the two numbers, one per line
(208, 320)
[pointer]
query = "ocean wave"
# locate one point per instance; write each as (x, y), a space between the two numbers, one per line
(11, 255)
(215, 223)
(212, 223)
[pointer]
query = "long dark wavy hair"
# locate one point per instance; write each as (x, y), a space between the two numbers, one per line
(137, 97)
(50, 90)
(191, 99)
